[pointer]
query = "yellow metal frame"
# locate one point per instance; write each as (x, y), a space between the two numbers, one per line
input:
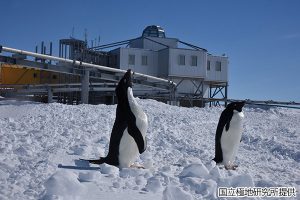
(12, 74)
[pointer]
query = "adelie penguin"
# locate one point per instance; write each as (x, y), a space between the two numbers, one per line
(128, 136)
(229, 134)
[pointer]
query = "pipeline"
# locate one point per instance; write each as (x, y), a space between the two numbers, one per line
(79, 63)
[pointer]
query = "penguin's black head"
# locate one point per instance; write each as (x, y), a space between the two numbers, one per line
(123, 86)
(238, 106)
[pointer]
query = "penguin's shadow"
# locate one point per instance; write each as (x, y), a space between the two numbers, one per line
(79, 165)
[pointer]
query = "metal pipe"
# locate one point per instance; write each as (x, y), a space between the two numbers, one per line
(42, 47)
(59, 49)
(78, 63)
(65, 51)
(36, 50)
(85, 86)
(50, 48)
(50, 53)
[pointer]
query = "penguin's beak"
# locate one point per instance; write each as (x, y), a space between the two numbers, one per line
(127, 77)
(240, 105)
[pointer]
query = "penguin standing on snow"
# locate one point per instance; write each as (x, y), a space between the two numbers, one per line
(229, 134)
(127, 138)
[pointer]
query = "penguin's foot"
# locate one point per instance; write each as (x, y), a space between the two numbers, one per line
(231, 167)
(135, 165)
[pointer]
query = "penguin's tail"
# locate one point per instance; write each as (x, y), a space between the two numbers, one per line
(97, 161)
(217, 160)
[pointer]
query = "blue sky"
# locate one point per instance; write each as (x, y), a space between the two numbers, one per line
(260, 37)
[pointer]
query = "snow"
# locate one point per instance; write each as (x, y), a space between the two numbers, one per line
(173, 193)
(194, 170)
(64, 184)
(40, 147)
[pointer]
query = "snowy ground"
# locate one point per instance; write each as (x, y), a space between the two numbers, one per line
(37, 139)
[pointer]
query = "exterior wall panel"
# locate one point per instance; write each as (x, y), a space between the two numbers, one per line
(187, 70)
(152, 60)
(163, 63)
(212, 74)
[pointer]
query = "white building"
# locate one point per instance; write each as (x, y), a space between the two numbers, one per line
(195, 71)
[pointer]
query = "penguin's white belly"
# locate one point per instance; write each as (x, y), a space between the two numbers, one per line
(141, 121)
(128, 150)
(140, 116)
(230, 140)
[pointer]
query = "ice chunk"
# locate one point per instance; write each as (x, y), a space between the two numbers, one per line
(194, 170)
(88, 176)
(176, 193)
(109, 169)
(243, 180)
(153, 185)
(215, 173)
(207, 188)
(63, 185)
(132, 172)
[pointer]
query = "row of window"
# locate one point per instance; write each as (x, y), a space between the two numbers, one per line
(181, 60)
(218, 64)
(131, 60)
(217, 68)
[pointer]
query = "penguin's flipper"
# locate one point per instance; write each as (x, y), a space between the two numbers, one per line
(218, 148)
(226, 118)
(137, 136)
(227, 125)
(218, 152)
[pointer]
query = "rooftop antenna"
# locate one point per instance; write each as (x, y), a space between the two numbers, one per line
(85, 35)
(73, 30)
(99, 40)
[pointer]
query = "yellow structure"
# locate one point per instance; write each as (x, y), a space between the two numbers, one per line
(11, 74)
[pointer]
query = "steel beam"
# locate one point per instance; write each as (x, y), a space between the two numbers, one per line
(85, 87)
(50, 95)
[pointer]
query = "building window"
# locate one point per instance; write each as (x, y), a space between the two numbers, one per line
(208, 65)
(181, 60)
(218, 66)
(131, 59)
(144, 60)
(194, 60)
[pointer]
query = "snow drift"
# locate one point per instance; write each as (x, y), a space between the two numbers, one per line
(37, 140)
